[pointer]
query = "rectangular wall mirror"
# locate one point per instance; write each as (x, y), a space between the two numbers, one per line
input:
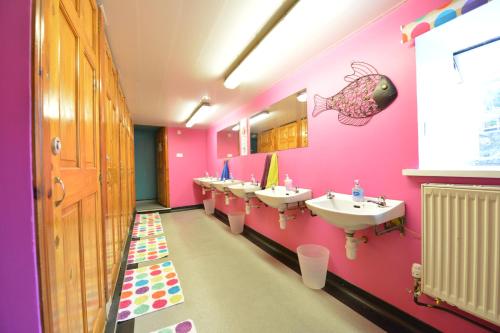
(228, 142)
(281, 126)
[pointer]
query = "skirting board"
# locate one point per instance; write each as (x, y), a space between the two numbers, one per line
(378, 311)
(171, 210)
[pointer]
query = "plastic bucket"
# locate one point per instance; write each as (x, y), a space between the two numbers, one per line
(313, 261)
(209, 205)
(236, 222)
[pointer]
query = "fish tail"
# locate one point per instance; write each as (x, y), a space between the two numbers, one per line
(320, 105)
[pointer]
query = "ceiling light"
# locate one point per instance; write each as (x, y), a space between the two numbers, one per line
(237, 70)
(259, 116)
(199, 114)
(302, 96)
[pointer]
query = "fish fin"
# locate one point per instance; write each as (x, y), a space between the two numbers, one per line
(360, 69)
(320, 105)
(353, 121)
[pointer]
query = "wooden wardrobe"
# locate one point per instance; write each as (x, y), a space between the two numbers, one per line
(83, 167)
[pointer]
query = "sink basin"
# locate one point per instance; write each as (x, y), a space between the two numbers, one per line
(244, 190)
(347, 214)
(198, 180)
(222, 185)
(207, 181)
(280, 197)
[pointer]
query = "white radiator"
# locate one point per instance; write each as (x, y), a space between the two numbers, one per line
(461, 247)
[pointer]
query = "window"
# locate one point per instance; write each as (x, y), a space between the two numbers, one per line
(458, 93)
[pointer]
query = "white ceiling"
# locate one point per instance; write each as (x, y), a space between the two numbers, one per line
(171, 53)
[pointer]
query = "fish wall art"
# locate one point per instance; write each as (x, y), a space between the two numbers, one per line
(367, 94)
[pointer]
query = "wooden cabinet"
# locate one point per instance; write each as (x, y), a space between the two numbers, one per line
(85, 190)
(303, 133)
(266, 141)
(289, 136)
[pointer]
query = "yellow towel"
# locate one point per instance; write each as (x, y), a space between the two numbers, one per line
(272, 176)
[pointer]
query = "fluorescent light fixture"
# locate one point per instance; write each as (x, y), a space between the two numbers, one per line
(199, 114)
(240, 67)
(302, 96)
(259, 117)
(236, 128)
(233, 80)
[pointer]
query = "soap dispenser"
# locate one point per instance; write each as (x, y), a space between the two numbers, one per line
(288, 183)
(252, 180)
(358, 194)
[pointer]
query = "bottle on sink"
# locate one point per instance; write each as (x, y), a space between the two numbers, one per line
(358, 194)
(252, 179)
(288, 183)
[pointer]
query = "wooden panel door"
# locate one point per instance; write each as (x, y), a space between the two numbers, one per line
(122, 170)
(162, 167)
(303, 137)
(70, 230)
(287, 136)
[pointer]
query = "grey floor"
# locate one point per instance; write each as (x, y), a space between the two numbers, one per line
(149, 206)
(232, 286)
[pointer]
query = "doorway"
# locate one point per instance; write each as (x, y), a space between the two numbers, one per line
(151, 176)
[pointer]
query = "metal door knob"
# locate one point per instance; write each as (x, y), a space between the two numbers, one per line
(58, 180)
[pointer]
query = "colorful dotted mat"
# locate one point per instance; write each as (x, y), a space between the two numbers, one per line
(187, 326)
(149, 217)
(147, 229)
(147, 249)
(148, 289)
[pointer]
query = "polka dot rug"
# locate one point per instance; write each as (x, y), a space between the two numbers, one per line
(187, 326)
(147, 229)
(148, 289)
(149, 217)
(147, 249)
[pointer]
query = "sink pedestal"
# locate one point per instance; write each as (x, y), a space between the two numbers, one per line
(351, 244)
(228, 197)
(284, 219)
(249, 206)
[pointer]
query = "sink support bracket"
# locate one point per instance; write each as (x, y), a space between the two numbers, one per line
(396, 224)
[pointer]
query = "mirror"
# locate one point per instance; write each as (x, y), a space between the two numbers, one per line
(281, 126)
(228, 142)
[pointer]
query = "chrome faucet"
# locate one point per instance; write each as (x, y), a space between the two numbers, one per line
(379, 202)
(330, 194)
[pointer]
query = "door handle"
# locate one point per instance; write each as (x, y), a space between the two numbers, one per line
(58, 180)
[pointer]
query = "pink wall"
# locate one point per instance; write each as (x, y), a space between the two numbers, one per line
(192, 144)
(19, 307)
(228, 143)
(338, 154)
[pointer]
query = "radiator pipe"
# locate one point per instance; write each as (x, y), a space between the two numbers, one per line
(472, 321)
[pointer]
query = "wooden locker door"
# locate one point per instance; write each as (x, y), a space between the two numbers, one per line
(123, 184)
(70, 113)
(110, 218)
(116, 184)
(162, 167)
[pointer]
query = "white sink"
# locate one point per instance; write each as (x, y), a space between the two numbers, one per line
(207, 181)
(244, 190)
(349, 215)
(198, 180)
(280, 197)
(222, 185)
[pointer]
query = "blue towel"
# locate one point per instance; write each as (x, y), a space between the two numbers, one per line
(225, 171)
